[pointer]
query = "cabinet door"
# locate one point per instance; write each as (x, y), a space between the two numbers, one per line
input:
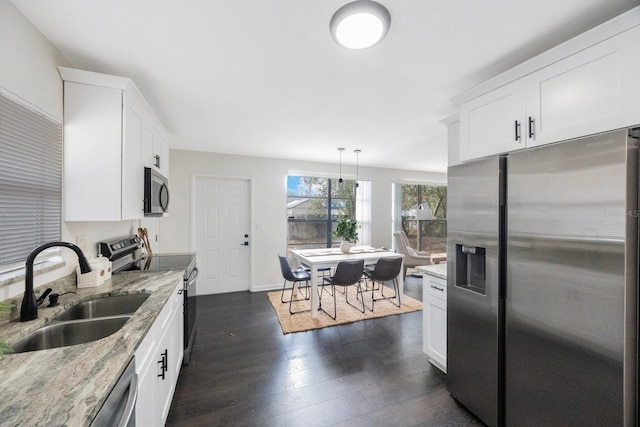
(592, 91)
(435, 321)
(147, 146)
(492, 123)
(132, 172)
(161, 150)
(146, 370)
(164, 378)
(177, 341)
(169, 355)
(92, 153)
(145, 403)
(155, 150)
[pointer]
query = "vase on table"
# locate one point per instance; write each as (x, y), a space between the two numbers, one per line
(345, 247)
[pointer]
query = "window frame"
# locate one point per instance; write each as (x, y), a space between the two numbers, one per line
(357, 208)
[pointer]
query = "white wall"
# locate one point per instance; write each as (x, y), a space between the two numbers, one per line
(28, 63)
(268, 201)
(29, 75)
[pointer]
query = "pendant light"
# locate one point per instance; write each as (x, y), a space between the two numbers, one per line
(340, 150)
(360, 24)
(357, 153)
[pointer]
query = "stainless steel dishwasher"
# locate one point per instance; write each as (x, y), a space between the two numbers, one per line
(119, 408)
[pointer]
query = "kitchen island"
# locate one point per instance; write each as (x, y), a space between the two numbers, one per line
(434, 299)
(68, 385)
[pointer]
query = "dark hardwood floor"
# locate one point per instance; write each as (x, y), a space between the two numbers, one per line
(244, 371)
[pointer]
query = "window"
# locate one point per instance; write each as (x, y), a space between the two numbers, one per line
(30, 181)
(315, 204)
(424, 216)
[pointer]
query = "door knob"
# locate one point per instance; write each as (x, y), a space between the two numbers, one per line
(244, 244)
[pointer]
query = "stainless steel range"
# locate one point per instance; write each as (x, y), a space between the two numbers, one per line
(126, 256)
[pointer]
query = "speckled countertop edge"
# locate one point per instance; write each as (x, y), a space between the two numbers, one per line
(435, 270)
(66, 386)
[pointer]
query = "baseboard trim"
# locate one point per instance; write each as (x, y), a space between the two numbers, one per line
(263, 288)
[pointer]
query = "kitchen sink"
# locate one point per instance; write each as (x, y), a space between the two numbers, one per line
(104, 306)
(87, 321)
(62, 334)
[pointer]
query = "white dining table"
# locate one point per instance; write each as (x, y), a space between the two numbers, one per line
(330, 257)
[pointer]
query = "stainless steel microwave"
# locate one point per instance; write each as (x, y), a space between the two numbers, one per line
(156, 193)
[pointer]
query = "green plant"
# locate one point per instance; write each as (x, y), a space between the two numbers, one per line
(4, 308)
(347, 229)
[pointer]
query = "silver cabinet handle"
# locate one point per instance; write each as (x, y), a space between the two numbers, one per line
(438, 288)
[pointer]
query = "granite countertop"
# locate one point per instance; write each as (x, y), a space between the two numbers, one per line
(66, 386)
(435, 270)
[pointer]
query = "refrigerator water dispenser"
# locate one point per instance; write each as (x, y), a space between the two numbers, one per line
(470, 268)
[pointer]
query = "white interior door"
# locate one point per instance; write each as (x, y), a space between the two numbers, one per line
(221, 228)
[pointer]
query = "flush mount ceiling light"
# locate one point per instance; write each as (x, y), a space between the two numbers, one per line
(360, 24)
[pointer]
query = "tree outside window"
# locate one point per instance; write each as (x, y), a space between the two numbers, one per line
(314, 206)
(425, 234)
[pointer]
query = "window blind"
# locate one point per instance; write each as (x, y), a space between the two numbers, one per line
(30, 180)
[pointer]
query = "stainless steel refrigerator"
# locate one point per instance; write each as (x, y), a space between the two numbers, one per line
(542, 284)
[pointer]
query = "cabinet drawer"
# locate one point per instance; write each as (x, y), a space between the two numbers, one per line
(436, 288)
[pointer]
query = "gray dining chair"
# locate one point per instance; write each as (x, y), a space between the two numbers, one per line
(322, 271)
(348, 273)
(298, 276)
(385, 270)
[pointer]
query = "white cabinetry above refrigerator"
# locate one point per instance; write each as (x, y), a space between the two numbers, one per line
(586, 86)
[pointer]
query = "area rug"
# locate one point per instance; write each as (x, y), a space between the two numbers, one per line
(345, 313)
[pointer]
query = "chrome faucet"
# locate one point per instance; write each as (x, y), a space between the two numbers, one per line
(29, 308)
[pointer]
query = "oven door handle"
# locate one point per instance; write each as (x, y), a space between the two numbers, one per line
(193, 276)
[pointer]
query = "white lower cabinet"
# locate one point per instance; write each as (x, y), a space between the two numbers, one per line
(158, 362)
(434, 297)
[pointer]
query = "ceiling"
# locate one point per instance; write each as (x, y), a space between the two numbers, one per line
(265, 78)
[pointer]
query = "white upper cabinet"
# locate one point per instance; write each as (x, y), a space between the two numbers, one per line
(132, 175)
(592, 91)
(589, 85)
(102, 174)
(492, 123)
(155, 150)
(109, 131)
